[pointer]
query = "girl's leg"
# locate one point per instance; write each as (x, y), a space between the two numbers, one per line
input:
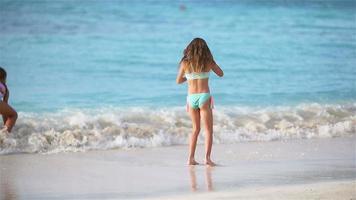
(10, 115)
(195, 116)
(207, 116)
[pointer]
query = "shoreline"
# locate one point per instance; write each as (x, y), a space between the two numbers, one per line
(290, 166)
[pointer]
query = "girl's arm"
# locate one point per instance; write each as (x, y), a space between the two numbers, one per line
(7, 94)
(180, 76)
(5, 99)
(218, 71)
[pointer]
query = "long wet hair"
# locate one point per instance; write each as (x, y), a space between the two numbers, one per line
(2, 74)
(197, 56)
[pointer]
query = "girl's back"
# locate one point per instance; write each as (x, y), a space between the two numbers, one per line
(196, 85)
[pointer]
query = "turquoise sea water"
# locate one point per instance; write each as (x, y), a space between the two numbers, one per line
(125, 53)
(105, 56)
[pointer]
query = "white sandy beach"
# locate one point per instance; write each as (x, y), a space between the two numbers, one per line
(329, 190)
(293, 169)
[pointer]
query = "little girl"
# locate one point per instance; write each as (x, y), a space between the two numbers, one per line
(9, 115)
(195, 66)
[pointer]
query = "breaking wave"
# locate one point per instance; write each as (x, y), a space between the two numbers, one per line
(107, 128)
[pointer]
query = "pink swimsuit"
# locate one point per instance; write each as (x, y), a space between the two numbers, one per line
(2, 90)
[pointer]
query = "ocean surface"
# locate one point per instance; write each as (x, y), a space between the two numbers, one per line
(89, 75)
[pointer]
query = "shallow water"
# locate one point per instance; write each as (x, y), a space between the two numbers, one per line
(82, 130)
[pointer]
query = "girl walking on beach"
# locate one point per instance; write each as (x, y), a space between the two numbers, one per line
(9, 115)
(195, 67)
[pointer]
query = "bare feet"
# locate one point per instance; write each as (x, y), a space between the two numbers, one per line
(4, 130)
(210, 163)
(192, 162)
(3, 134)
(5, 140)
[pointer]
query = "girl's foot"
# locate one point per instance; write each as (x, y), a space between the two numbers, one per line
(2, 137)
(3, 134)
(4, 129)
(5, 140)
(192, 162)
(210, 163)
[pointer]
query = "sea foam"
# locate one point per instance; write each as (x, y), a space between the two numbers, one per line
(107, 128)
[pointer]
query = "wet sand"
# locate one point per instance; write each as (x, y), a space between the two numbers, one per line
(293, 169)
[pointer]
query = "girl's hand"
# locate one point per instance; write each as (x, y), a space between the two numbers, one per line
(218, 71)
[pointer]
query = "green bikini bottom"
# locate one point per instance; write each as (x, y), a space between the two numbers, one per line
(197, 100)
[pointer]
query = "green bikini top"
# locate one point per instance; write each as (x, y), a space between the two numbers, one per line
(197, 75)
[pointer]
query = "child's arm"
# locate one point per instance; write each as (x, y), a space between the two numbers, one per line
(7, 94)
(218, 71)
(5, 99)
(180, 77)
